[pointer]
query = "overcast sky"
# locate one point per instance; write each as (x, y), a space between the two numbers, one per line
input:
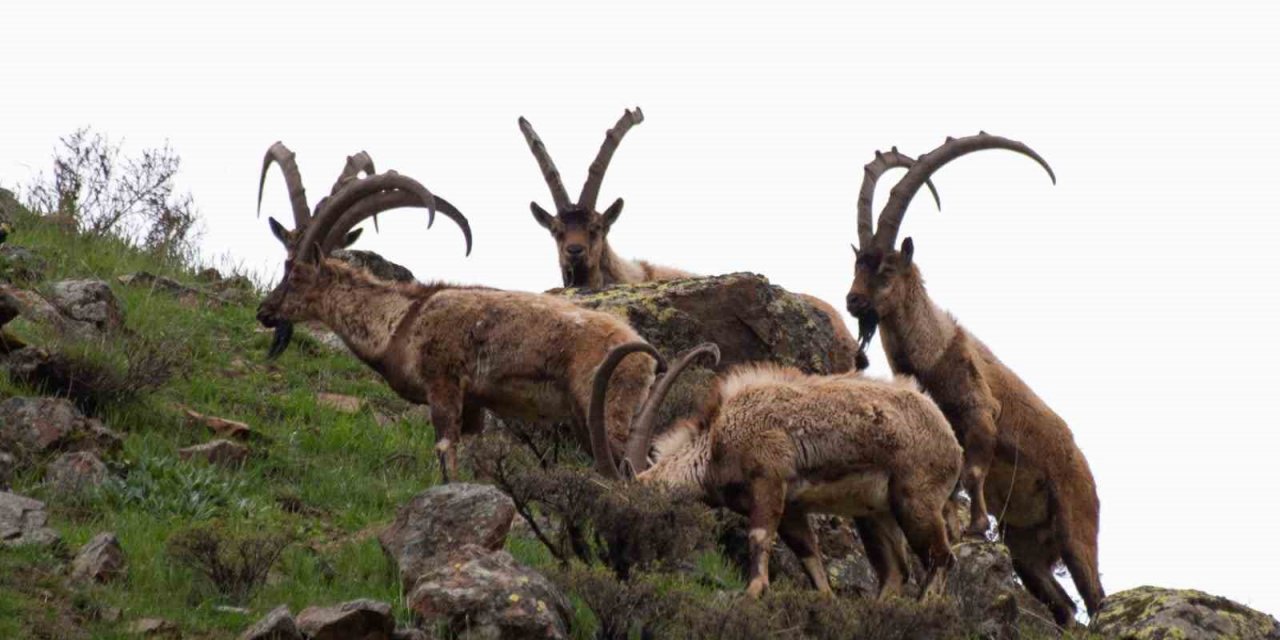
(1136, 296)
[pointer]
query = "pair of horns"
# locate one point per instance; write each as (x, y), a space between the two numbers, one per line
(635, 455)
(351, 200)
(919, 172)
(595, 175)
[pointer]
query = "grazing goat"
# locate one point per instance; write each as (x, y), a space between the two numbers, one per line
(302, 216)
(776, 444)
(582, 233)
(1021, 462)
(461, 350)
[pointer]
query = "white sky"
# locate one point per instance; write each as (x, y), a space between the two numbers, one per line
(1136, 296)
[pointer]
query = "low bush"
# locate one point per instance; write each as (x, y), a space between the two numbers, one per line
(235, 563)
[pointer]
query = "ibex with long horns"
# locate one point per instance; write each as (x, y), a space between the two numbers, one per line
(281, 156)
(582, 233)
(776, 444)
(461, 350)
(1021, 462)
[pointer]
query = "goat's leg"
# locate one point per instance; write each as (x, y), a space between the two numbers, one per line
(886, 551)
(767, 498)
(920, 516)
(1034, 553)
(446, 419)
(801, 539)
(977, 426)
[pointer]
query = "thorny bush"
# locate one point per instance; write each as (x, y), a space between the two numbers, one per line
(235, 563)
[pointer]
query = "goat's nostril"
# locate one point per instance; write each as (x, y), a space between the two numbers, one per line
(575, 249)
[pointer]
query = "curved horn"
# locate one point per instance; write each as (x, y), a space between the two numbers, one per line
(360, 162)
(335, 219)
(900, 196)
(451, 212)
(642, 433)
(871, 173)
(549, 171)
(281, 155)
(599, 435)
(612, 137)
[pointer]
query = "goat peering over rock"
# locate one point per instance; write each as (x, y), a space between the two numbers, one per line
(776, 444)
(1021, 461)
(460, 349)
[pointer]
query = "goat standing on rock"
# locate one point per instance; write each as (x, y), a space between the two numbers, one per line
(776, 444)
(1021, 461)
(461, 350)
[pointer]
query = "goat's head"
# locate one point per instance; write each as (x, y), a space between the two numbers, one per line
(353, 200)
(635, 458)
(880, 269)
(578, 228)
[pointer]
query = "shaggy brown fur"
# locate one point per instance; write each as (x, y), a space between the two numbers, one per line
(1021, 463)
(464, 349)
(776, 445)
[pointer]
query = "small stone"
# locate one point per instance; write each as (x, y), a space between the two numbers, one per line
(339, 402)
(221, 427)
(220, 452)
(153, 628)
(76, 472)
(22, 522)
(363, 619)
(276, 625)
(99, 560)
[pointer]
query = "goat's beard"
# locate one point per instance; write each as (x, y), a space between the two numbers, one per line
(868, 321)
(280, 339)
(575, 275)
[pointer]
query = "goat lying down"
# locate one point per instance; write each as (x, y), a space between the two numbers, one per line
(776, 444)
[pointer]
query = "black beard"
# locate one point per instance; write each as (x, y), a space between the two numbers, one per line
(280, 340)
(867, 322)
(575, 275)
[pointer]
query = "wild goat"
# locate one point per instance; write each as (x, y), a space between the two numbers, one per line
(459, 349)
(776, 444)
(582, 233)
(359, 163)
(1021, 462)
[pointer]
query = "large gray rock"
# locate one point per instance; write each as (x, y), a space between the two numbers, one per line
(75, 472)
(355, 620)
(99, 560)
(487, 594)
(375, 264)
(88, 301)
(276, 625)
(1153, 613)
(22, 522)
(442, 519)
(35, 308)
(36, 426)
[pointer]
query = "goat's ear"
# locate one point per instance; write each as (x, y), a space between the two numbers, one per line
(611, 214)
(278, 230)
(351, 238)
(541, 215)
(908, 250)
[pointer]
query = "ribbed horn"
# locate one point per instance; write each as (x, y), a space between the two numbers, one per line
(281, 155)
(642, 433)
(600, 448)
(341, 213)
(548, 167)
(871, 173)
(595, 174)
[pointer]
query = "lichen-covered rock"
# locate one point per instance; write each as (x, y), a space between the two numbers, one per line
(35, 426)
(276, 625)
(356, 620)
(1154, 613)
(75, 472)
(35, 308)
(223, 453)
(442, 519)
(375, 264)
(750, 320)
(22, 522)
(88, 301)
(487, 594)
(99, 560)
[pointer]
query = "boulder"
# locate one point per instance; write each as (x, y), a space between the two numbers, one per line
(35, 426)
(224, 453)
(99, 560)
(75, 472)
(22, 522)
(355, 620)
(984, 585)
(88, 301)
(487, 594)
(750, 319)
(35, 308)
(1154, 613)
(375, 264)
(444, 518)
(276, 625)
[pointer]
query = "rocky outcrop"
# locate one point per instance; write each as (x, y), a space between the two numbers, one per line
(442, 519)
(376, 265)
(99, 560)
(75, 472)
(276, 625)
(1153, 613)
(36, 426)
(88, 301)
(362, 619)
(22, 522)
(487, 594)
